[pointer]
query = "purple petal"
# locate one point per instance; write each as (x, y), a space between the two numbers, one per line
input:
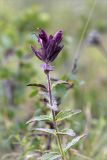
(56, 52)
(50, 49)
(43, 35)
(43, 39)
(37, 53)
(58, 36)
(50, 46)
(50, 37)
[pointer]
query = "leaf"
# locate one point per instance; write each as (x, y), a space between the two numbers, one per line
(73, 142)
(40, 118)
(68, 132)
(59, 82)
(32, 94)
(66, 114)
(47, 130)
(50, 156)
(41, 86)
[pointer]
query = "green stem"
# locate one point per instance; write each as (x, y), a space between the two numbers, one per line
(54, 119)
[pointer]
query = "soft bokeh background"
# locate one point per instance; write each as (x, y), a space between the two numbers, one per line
(19, 21)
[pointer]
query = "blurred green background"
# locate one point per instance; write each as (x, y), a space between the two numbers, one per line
(19, 21)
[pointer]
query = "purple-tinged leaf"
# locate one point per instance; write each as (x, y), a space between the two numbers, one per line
(68, 132)
(47, 130)
(43, 87)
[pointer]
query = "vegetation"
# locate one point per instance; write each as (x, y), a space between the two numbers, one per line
(79, 82)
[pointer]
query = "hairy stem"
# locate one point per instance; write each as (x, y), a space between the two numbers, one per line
(54, 119)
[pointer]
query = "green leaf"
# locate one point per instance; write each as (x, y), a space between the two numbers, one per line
(40, 118)
(73, 142)
(50, 156)
(59, 82)
(47, 130)
(32, 94)
(66, 114)
(68, 132)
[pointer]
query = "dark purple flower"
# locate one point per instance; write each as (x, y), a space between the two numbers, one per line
(50, 47)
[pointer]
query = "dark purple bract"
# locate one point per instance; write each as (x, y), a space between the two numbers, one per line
(50, 46)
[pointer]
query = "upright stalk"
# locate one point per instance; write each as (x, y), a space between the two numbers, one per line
(54, 119)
